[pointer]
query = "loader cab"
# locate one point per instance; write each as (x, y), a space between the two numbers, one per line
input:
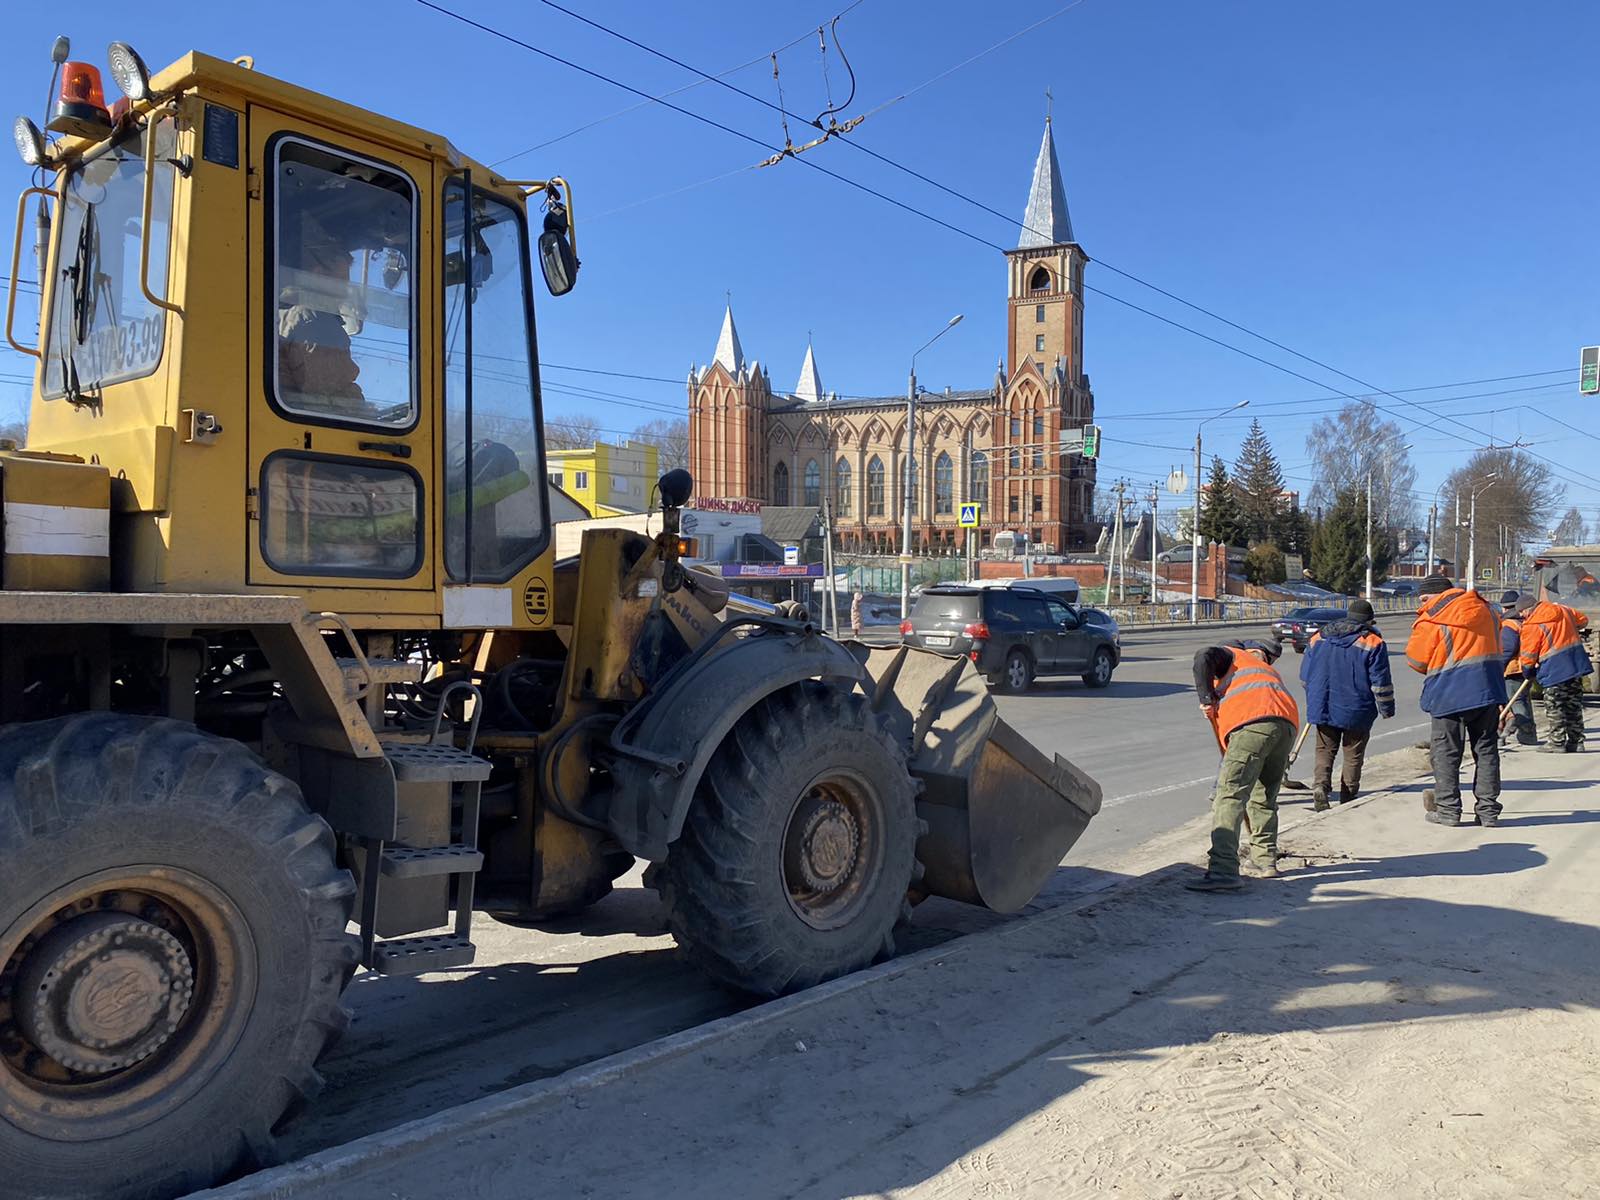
(300, 338)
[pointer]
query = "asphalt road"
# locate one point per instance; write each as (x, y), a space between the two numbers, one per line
(540, 1001)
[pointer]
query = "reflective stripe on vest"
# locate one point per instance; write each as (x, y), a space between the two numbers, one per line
(1252, 691)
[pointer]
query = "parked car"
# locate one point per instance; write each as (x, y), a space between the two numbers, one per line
(1182, 554)
(1299, 625)
(1105, 621)
(1012, 634)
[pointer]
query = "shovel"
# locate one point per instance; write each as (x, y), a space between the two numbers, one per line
(1295, 785)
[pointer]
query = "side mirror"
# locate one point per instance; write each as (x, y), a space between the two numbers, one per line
(557, 259)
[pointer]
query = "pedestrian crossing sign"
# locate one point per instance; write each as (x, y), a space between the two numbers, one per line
(969, 515)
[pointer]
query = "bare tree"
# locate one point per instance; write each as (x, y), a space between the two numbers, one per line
(14, 419)
(570, 433)
(1516, 506)
(1342, 448)
(670, 437)
(1570, 531)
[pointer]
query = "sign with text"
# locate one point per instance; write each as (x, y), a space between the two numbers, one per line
(711, 504)
(771, 571)
(791, 556)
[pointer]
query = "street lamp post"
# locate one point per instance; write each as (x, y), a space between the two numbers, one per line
(1194, 558)
(1387, 453)
(1433, 527)
(908, 475)
(1472, 530)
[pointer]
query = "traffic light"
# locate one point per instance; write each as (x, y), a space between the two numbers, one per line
(1091, 441)
(1589, 371)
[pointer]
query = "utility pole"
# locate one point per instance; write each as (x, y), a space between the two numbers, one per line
(909, 474)
(1155, 523)
(1368, 592)
(1122, 557)
(1455, 561)
(1194, 560)
(1472, 530)
(1433, 517)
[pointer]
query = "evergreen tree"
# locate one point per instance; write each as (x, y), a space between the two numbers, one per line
(1296, 532)
(1258, 480)
(1220, 519)
(1339, 550)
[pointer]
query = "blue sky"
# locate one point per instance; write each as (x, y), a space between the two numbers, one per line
(1399, 190)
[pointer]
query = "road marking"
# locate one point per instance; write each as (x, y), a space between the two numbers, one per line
(1160, 791)
(1188, 783)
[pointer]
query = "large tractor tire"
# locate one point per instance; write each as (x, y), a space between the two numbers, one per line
(172, 951)
(799, 849)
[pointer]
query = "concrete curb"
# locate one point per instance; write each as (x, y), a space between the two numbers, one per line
(343, 1164)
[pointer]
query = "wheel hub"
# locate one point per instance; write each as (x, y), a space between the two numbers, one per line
(103, 991)
(828, 845)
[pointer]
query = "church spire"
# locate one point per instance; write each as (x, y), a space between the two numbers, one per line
(1047, 222)
(809, 388)
(729, 353)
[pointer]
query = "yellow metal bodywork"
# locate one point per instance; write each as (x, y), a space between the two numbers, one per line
(183, 504)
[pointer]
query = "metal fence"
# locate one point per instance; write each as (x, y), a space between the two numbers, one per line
(1234, 609)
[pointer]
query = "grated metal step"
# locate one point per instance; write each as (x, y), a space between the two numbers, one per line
(412, 862)
(426, 762)
(415, 955)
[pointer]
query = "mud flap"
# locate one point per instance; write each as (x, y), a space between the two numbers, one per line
(1001, 814)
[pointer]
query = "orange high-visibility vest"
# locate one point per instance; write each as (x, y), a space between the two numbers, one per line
(1252, 691)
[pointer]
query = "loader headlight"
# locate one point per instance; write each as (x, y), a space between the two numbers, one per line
(676, 487)
(128, 71)
(30, 141)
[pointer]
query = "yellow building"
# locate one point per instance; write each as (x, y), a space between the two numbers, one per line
(607, 480)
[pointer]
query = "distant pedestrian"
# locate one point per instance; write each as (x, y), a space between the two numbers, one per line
(1348, 686)
(855, 615)
(1515, 606)
(1455, 643)
(1254, 717)
(1552, 653)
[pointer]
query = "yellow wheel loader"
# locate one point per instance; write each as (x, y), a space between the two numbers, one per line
(292, 683)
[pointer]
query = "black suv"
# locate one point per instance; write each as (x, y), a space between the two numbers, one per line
(1299, 625)
(1011, 634)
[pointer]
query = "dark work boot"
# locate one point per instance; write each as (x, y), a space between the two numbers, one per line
(1215, 883)
(1552, 748)
(1434, 817)
(1427, 800)
(1347, 794)
(1319, 799)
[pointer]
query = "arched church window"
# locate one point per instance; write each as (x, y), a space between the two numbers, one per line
(780, 484)
(813, 484)
(1039, 281)
(841, 487)
(875, 487)
(944, 484)
(979, 488)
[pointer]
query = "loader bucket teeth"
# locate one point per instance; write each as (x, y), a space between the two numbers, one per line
(1001, 815)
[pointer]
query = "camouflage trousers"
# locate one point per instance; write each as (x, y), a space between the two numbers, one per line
(1563, 704)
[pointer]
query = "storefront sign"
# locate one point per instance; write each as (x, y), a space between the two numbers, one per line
(771, 571)
(709, 504)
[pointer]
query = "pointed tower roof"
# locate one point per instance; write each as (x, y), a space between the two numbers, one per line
(1047, 222)
(729, 353)
(809, 388)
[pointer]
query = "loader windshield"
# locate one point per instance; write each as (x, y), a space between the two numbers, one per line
(102, 330)
(494, 458)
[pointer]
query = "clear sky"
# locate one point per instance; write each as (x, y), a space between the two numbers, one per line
(1404, 191)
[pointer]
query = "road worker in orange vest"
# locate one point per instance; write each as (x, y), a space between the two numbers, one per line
(1254, 717)
(1455, 644)
(1551, 651)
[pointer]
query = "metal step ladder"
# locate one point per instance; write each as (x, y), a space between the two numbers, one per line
(435, 780)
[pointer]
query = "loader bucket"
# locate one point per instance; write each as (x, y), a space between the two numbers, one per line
(1001, 814)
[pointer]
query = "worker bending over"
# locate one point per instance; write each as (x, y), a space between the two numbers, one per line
(1254, 717)
(1552, 653)
(1514, 606)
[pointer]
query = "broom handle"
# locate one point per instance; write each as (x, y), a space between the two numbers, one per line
(1517, 695)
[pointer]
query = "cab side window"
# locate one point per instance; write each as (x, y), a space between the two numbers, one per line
(343, 311)
(1060, 614)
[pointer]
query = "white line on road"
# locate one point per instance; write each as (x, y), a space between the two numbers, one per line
(1188, 783)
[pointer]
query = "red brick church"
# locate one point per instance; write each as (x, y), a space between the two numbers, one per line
(998, 445)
